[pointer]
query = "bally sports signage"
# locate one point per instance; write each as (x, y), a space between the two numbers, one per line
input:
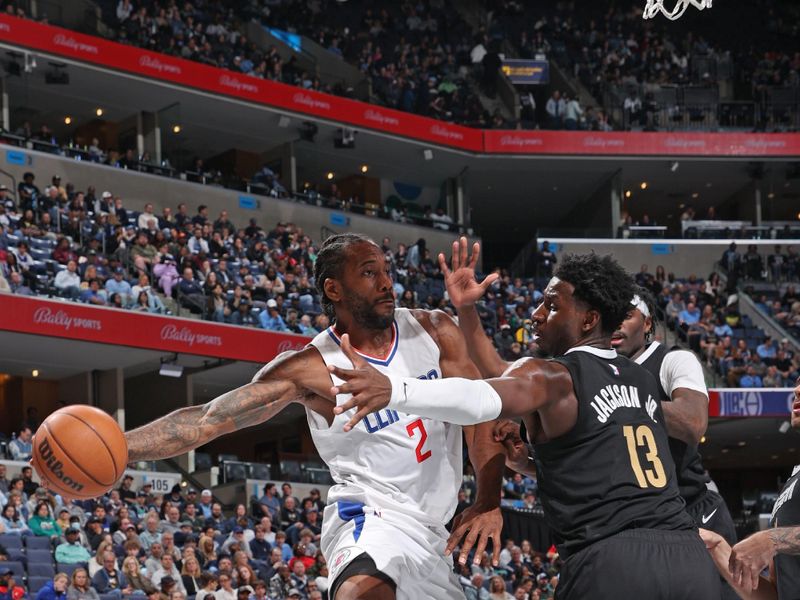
(122, 58)
(24, 314)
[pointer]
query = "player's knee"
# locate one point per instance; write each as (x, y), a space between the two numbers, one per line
(365, 587)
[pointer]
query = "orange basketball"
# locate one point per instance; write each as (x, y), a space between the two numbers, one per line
(79, 452)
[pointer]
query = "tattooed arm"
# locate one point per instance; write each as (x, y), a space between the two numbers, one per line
(750, 556)
(275, 386)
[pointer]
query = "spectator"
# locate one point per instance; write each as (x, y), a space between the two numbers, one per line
(473, 588)
(71, 551)
(206, 502)
(208, 582)
(280, 584)
(13, 522)
(42, 522)
(21, 447)
(9, 590)
(271, 319)
(68, 282)
(192, 296)
(93, 294)
(118, 285)
(767, 350)
(143, 253)
(497, 589)
(80, 589)
(555, 108)
(136, 581)
(167, 569)
(750, 379)
(191, 575)
(225, 591)
(109, 580)
(55, 589)
(572, 113)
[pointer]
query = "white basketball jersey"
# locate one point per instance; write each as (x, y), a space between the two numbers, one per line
(390, 459)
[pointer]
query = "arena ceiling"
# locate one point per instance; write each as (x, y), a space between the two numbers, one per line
(510, 197)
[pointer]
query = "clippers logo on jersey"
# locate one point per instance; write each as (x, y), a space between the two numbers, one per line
(785, 496)
(376, 421)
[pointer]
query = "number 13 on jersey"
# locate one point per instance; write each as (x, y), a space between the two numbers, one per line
(642, 437)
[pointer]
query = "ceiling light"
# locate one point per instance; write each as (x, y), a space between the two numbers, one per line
(35, 373)
(428, 154)
(644, 185)
(703, 440)
(674, 166)
(627, 193)
(695, 195)
(99, 112)
(170, 370)
(67, 120)
(330, 175)
(742, 444)
(364, 168)
(785, 426)
(770, 195)
(708, 185)
(176, 129)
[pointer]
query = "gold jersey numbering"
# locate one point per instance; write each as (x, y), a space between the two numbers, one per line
(642, 437)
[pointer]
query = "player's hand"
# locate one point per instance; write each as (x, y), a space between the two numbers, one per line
(476, 525)
(718, 548)
(508, 433)
(749, 557)
(462, 287)
(371, 389)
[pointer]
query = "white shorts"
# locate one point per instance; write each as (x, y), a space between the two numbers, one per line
(404, 549)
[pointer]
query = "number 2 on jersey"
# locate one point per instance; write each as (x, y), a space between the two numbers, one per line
(418, 424)
(643, 436)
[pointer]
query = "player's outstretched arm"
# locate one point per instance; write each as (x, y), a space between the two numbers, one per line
(464, 291)
(528, 386)
(720, 552)
(483, 520)
(272, 389)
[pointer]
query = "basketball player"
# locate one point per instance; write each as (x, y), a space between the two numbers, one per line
(397, 474)
(682, 391)
(606, 477)
(777, 548)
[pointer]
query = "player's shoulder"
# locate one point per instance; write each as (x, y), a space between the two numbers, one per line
(678, 357)
(435, 322)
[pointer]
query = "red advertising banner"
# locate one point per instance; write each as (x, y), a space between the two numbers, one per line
(23, 314)
(641, 144)
(95, 50)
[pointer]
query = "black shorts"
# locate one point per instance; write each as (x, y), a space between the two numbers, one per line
(641, 563)
(710, 512)
(361, 565)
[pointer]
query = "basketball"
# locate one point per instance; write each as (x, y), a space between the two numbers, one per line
(79, 452)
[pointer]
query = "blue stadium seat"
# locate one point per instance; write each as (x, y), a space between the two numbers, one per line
(41, 569)
(69, 568)
(109, 596)
(9, 541)
(16, 567)
(16, 554)
(40, 556)
(37, 542)
(36, 583)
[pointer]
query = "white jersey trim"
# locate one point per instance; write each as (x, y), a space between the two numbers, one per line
(607, 353)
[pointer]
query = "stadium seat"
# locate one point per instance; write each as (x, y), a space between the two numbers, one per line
(69, 568)
(16, 567)
(9, 541)
(16, 554)
(40, 556)
(36, 542)
(41, 569)
(109, 596)
(36, 583)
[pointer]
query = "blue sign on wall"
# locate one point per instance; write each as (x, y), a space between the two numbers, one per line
(339, 220)
(15, 157)
(248, 202)
(658, 249)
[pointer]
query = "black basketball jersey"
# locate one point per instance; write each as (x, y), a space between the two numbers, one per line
(692, 478)
(613, 471)
(786, 513)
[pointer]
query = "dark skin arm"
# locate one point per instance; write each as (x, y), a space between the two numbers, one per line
(481, 521)
(687, 415)
(273, 388)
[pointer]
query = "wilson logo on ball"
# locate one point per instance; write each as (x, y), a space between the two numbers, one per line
(55, 466)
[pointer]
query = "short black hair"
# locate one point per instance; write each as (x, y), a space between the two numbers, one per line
(331, 258)
(601, 283)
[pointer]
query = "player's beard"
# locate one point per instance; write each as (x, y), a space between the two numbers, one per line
(364, 313)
